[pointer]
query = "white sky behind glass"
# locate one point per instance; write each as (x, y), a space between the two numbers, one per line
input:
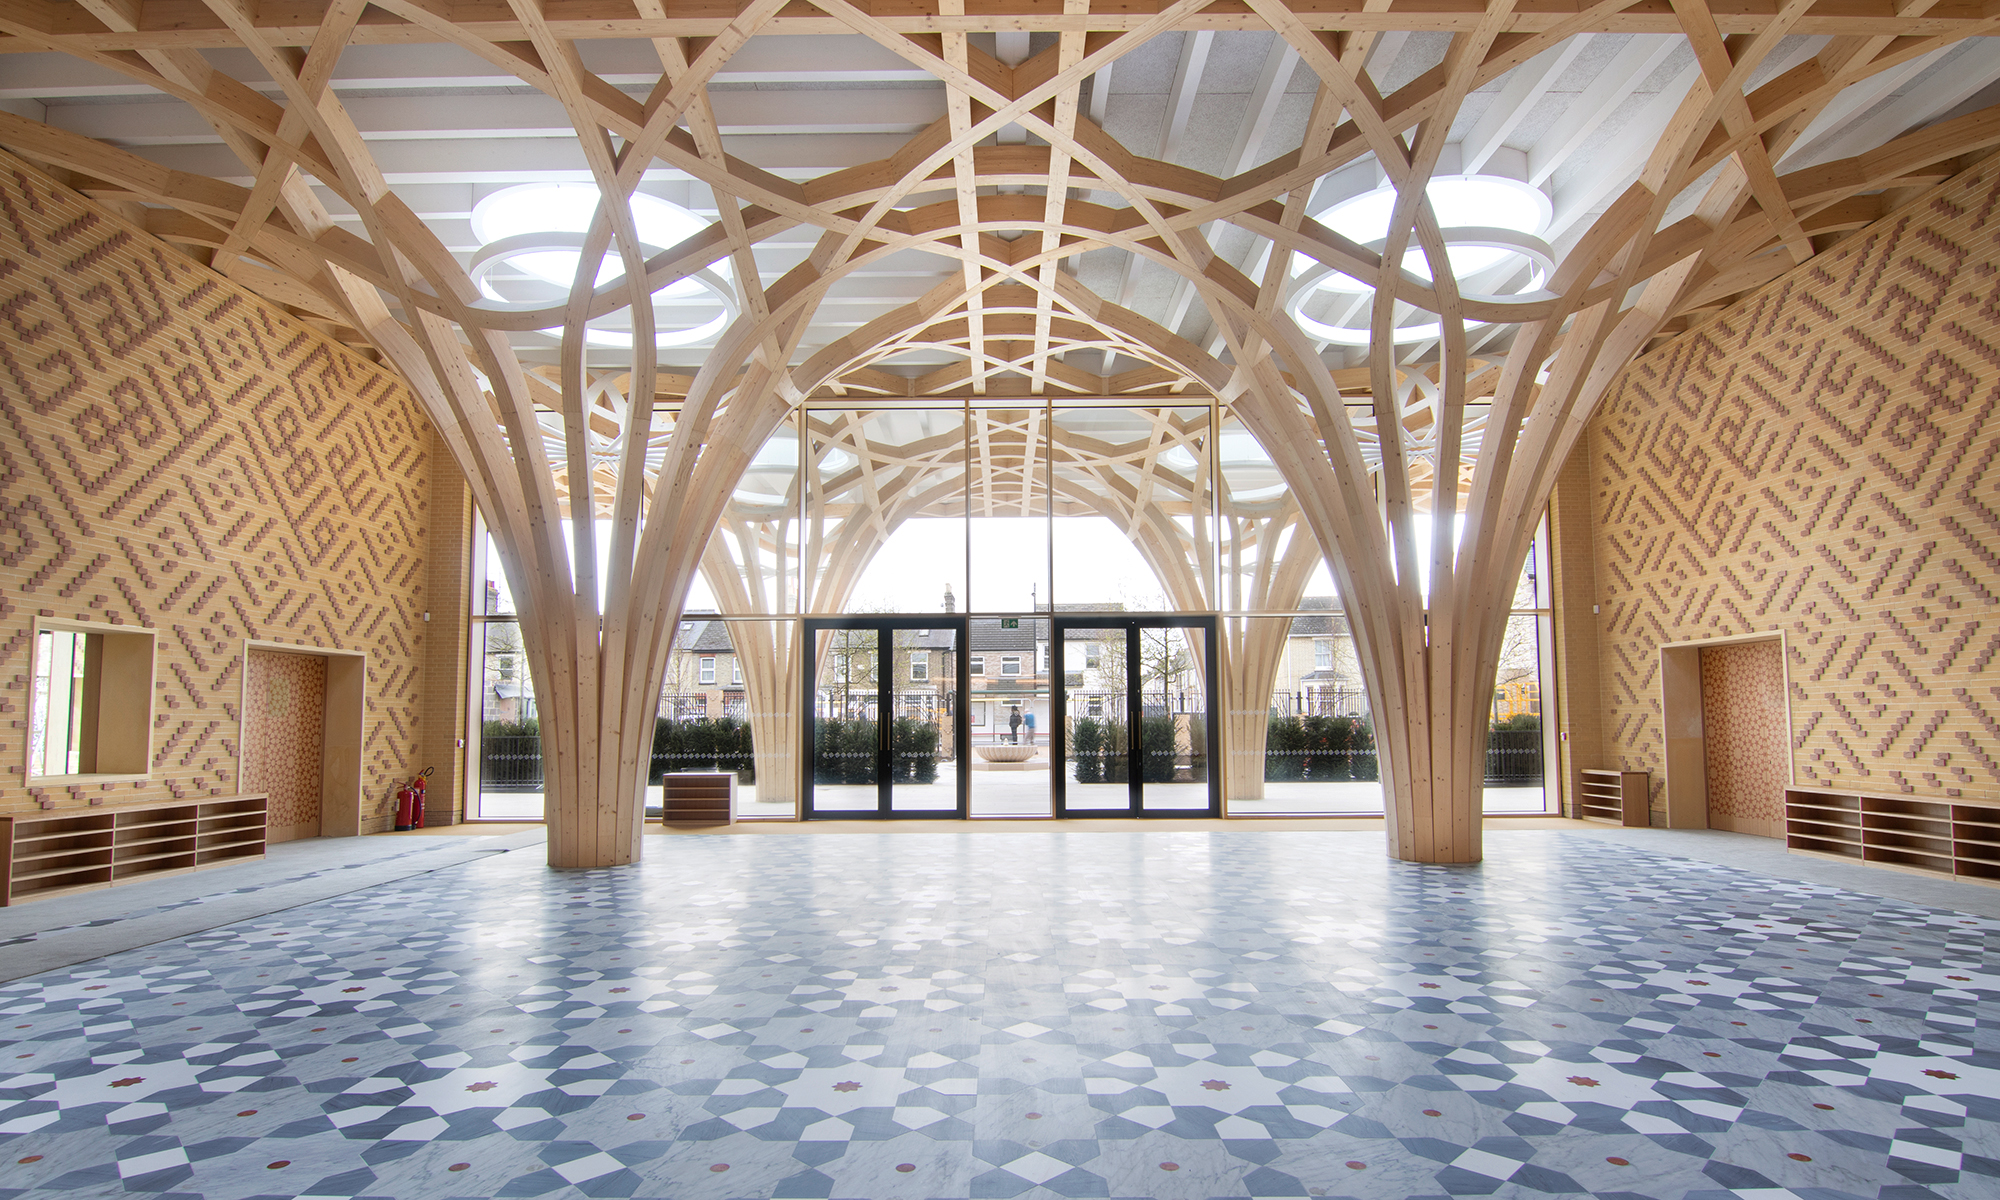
(1095, 563)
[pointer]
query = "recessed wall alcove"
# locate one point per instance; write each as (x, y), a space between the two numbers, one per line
(1728, 733)
(301, 740)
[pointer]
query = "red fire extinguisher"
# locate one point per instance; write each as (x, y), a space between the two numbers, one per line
(410, 803)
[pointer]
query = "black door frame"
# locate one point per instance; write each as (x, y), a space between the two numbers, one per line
(1135, 711)
(885, 709)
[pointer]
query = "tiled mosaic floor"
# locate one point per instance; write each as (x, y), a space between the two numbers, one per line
(1147, 1015)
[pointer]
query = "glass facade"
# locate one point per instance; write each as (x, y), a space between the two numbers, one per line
(1010, 513)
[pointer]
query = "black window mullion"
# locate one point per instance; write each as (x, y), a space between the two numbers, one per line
(885, 719)
(1135, 716)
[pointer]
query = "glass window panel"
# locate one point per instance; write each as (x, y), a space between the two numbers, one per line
(1096, 758)
(1009, 710)
(1268, 557)
(751, 564)
(498, 598)
(1300, 737)
(846, 707)
(754, 722)
(702, 723)
(509, 749)
(1133, 525)
(1009, 453)
(923, 762)
(1173, 750)
(1516, 741)
(885, 509)
(1532, 590)
(56, 710)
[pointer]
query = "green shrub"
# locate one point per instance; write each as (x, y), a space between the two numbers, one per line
(915, 743)
(1284, 750)
(1157, 750)
(844, 750)
(1087, 742)
(735, 748)
(1518, 722)
(1113, 755)
(703, 744)
(1320, 749)
(528, 728)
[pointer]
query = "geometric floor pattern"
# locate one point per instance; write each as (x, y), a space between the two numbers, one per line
(1167, 1014)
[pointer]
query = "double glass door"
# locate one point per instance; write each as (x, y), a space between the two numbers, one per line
(1133, 714)
(892, 721)
(884, 727)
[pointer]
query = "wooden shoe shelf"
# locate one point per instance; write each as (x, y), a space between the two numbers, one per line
(72, 850)
(1956, 838)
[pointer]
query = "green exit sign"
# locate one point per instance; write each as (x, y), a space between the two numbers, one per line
(1010, 622)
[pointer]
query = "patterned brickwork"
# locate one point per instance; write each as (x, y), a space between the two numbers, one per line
(1743, 735)
(284, 731)
(1819, 459)
(177, 454)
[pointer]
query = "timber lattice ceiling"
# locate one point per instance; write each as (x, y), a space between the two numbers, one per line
(1033, 199)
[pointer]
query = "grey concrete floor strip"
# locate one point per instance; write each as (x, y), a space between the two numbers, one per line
(1768, 856)
(46, 935)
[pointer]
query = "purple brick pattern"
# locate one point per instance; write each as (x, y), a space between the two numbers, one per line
(1819, 458)
(180, 455)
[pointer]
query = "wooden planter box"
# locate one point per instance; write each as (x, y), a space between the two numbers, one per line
(698, 798)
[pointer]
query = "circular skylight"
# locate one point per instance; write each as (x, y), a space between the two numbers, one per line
(1491, 227)
(1460, 202)
(536, 208)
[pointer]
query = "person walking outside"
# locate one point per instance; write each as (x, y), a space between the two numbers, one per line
(1014, 725)
(1028, 720)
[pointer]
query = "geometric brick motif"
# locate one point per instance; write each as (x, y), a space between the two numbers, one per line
(1819, 459)
(179, 454)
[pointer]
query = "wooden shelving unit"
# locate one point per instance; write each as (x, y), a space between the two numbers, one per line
(1938, 837)
(75, 850)
(1616, 797)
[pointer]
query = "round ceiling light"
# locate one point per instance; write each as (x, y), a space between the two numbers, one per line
(538, 230)
(1491, 227)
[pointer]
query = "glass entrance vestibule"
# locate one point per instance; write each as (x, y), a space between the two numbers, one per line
(1079, 715)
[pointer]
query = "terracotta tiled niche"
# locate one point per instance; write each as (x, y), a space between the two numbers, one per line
(284, 734)
(1743, 735)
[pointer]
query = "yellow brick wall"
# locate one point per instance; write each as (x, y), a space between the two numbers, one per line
(179, 455)
(1819, 459)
